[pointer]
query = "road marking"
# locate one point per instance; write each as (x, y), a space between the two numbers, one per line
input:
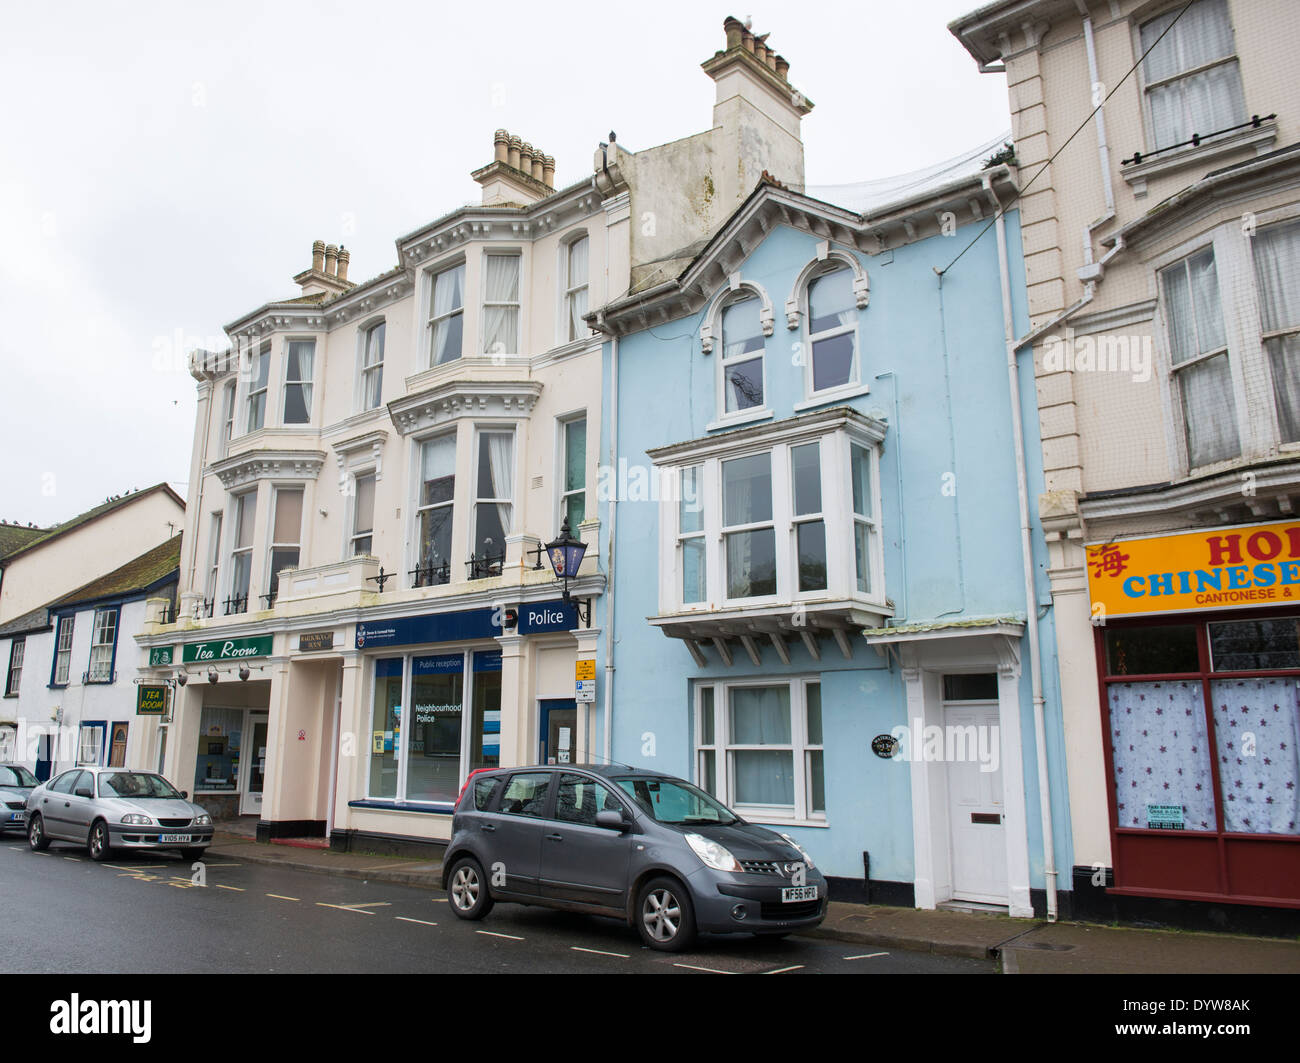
(599, 952)
(74, 859)
(281, 897)
(439, 900)
(237, 889)
(221, 865)
(18, 848)
(144, 867)
(490, 934)
(371, 904)
(422, 922)
(867, 956)
(710, 970)
(344, 908)
(783, 970)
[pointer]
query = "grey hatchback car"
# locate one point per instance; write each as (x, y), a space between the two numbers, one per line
(643, 847)
(116, 808)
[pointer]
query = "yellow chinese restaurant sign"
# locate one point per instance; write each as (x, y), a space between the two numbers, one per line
(1219, 569)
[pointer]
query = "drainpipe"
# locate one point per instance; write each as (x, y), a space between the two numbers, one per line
(1103, 149)
(1031, 595)
(610, 582)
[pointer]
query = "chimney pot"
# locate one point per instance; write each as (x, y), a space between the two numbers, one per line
(526, 159)
(782, 68)
(331, 259)
(512, 159)
(548, 171)
(345, 256)
(501, 146)
(747, 41)
(734, 30)
(318, 255)
(539, 166)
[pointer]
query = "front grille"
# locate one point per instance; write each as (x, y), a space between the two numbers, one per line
(17, 806)
(761, 867)
(173, 822)
(798, 910)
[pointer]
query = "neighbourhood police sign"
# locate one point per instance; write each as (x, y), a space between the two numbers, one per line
(537, 618)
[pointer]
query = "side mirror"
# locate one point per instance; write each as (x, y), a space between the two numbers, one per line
(85, 791)
(611, 820)
(185, 795)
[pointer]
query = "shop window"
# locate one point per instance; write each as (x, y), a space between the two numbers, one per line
(386, 727)
(1255, 645)
(447, 314)
(433, 738)
(1161, 756)
(217, 765)
(1257, 733)
(485, 725)
(1157, 650)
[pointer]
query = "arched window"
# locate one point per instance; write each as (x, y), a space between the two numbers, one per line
(832, 330)
(742, 356)
(575, 289)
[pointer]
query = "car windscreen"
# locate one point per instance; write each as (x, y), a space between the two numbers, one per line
(15, 775)
(136, 784)
(675, 802)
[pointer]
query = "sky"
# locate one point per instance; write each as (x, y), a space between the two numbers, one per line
(165, 167)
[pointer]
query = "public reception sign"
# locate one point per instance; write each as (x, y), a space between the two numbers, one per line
(1220, 568)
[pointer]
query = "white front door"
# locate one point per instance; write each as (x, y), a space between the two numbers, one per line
(975, 807)
(254, 771)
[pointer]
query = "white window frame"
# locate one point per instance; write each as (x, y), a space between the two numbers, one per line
(568, 290)
(97, 730)
(367, 370)
(853, 385)
(213, 583)
(742, 295)
(723, 749)
(354, 498)
(307, 384)
(1148, 119)
(417, 508)
(63, 651)
(682, 537)
(237, 503)
(480, 430)
(14, 674)
(518, 303)
(228, 391)
(103, 645)
(431, 321)
(272, 545)
(562, 453)
(254, 392)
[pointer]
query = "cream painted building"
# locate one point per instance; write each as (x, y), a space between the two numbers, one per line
(365, 616)
(1159, 154)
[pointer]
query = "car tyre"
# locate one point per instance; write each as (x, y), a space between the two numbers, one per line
(190, 855)
(467, 890)
(98, 844)
(665, 918)
(36, 836)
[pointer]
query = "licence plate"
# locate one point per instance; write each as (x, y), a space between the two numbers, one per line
(798, 893)
(15, 817)
(174, 838)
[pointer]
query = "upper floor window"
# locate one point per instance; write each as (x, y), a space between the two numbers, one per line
(363, 515)
(1199, 356)
(227, 415)
(832, 331)
(297, 381)
(1191, 77)
(447, 315)
(286, 534)
(1277, 277)
(63, 651)
(436, 509)
(575, 288)
(573, 496)
(214, 563)
(494, 492)
(748, 530)
(241, 551)
(103, 644)
(17, 650)
(501, 304)
(372, 366)
(742, 356)
(259, 378)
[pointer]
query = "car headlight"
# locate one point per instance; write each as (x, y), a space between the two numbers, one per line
(137, 819)
(713, 854)
(203, 820)
(802, 851)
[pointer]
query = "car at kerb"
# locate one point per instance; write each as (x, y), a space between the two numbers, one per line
(16, 782)
(116, 808)
(644, 847)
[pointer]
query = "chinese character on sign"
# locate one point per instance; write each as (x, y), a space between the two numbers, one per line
(1107, 561)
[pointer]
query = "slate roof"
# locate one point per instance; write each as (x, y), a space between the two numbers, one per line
(49, 534)
(13, 537)
(36, 620)
(136, 576)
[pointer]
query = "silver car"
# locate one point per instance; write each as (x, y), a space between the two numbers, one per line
(116, 808)
(16, 782)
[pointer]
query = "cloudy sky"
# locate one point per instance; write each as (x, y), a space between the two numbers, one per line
(164, 168)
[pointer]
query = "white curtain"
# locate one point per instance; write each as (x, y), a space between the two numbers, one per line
(448, 296)
(1161, 753)
(500, 449)
(741, 330)
(761, 716)
(1203, 103)
(501, 323)
(577, 279)
(1277, 274)
(1257, 730)
(1209, 411)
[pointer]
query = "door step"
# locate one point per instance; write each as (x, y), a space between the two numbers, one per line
(979, 907)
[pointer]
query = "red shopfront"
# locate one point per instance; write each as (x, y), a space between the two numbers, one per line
(1201, 714)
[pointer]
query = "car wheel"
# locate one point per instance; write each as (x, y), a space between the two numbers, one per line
(98, 844)
(467, 890)
(36, 836)
(664, 916)
(190, 855)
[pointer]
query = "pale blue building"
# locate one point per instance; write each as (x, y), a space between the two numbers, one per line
(819, 599)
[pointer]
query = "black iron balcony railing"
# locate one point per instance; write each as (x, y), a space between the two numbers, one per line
(431, 575)
(206, 608)
(486, 566)
(168, 615)
(269, 598)
(237, 604)
(1197, 139)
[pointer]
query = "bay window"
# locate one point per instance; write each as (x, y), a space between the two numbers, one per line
(362, 538)
(214, 563)
(748, 532)
(435, 510)
(286, 534)
(258, 380)
(1277, 277)
(691, 555)
(297, 381)
(227, 415)
(241, 551)
(759, 747)
(446, 314)
(493, 500)
(501, 304)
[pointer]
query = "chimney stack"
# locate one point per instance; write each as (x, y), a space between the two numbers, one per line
(328, 274)
(518, 173)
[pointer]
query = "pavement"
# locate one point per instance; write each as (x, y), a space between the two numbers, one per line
(1021, 946)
